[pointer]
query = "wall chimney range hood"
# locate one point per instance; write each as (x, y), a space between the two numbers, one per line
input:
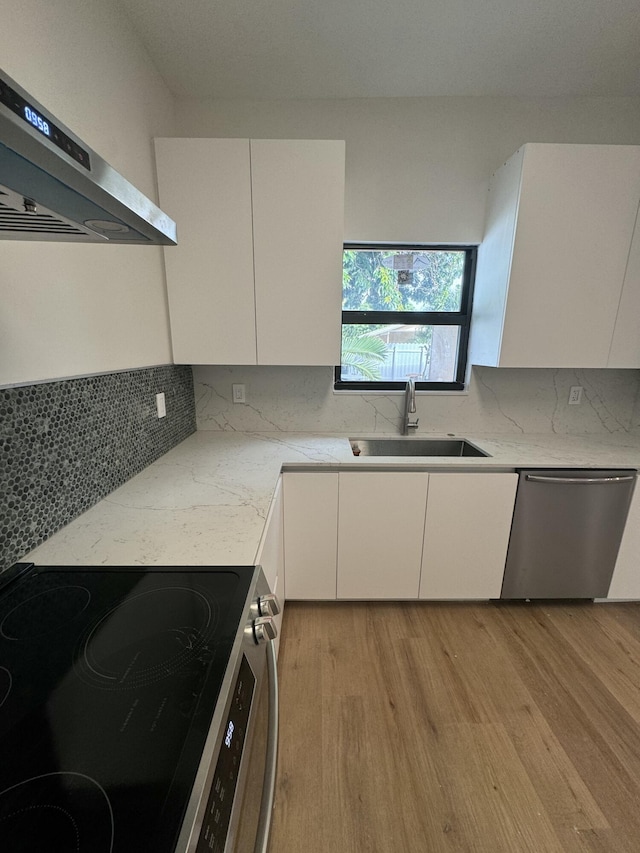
(54, 187)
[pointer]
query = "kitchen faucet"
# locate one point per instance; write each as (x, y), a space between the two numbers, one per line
(409, 407)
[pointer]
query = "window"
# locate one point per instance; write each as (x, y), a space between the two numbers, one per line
(406, 312)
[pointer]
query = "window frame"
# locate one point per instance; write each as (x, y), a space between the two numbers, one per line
(461, 318)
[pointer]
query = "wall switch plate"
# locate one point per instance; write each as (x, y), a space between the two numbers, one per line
(161, 405)
(239, 394)
(575, 395)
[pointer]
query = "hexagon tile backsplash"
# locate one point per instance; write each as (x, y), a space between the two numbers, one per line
(65, 445)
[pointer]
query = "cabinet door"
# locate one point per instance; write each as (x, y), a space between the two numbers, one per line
(270, 553)
(298, 211)
(380, 532)
(310, 534)
(552, 264)
(466, 535)
(625, 582)
(206, 186)
(576, 216)
(625, 347)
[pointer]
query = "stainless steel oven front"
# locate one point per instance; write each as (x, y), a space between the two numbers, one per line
(231, 804)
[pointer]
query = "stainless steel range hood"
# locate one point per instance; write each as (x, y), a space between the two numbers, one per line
(54, 187)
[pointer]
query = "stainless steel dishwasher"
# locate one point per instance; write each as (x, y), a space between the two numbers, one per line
(566, 532)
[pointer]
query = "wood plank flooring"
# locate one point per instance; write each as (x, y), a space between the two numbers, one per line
(483, 728)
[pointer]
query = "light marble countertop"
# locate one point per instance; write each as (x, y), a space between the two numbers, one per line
(205, 502)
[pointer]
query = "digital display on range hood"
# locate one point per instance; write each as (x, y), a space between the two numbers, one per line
(28, 113)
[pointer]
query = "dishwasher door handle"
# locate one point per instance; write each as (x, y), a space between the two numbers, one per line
(578, 481)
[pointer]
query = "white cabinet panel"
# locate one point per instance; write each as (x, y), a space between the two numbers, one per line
(625, 347)
(206, 184)
(552, 263)
(625, 583)
(466, 535)
(494, 264)
(298, 210)
(310, 534)
(256, 277)
(270, 553)
(380, 532)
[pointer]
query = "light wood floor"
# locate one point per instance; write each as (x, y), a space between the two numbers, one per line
(422, 728)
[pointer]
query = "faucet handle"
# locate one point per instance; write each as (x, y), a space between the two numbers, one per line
(411, 395)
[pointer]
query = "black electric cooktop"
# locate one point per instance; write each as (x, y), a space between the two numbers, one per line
(108, 683)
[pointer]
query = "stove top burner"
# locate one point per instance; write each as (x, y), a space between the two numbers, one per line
(145, 639)
(109, 679)
(5, 684)
(44, 612)
(61, 812)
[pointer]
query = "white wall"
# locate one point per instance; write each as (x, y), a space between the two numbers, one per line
(418, 168)
(69, 309)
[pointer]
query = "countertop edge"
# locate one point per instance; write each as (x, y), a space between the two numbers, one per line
(206, 501)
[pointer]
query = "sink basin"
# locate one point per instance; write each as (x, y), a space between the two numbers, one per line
(414, 447)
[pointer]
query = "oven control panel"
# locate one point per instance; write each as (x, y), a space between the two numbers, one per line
(215, 825)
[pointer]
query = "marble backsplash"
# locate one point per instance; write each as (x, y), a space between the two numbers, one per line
(301, 399)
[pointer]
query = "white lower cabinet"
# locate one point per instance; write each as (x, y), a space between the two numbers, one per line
(310, 534)
(271, 553)
(396, 534)
(380, 530)
(466, 537)
(625, 583)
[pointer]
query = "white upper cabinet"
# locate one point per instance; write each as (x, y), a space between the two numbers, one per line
(256, 277)
(298, 228)
(206, 183)
(625, 347)
(552, 264)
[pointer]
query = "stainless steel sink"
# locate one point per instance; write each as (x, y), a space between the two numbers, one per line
(414, 447)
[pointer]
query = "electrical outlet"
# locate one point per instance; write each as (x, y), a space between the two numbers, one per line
(575, 395)
(161, 405)
(239, 394)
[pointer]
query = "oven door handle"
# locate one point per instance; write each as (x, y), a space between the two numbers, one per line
(269, 789)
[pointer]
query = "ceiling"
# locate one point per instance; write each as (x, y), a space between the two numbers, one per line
(271, 49)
